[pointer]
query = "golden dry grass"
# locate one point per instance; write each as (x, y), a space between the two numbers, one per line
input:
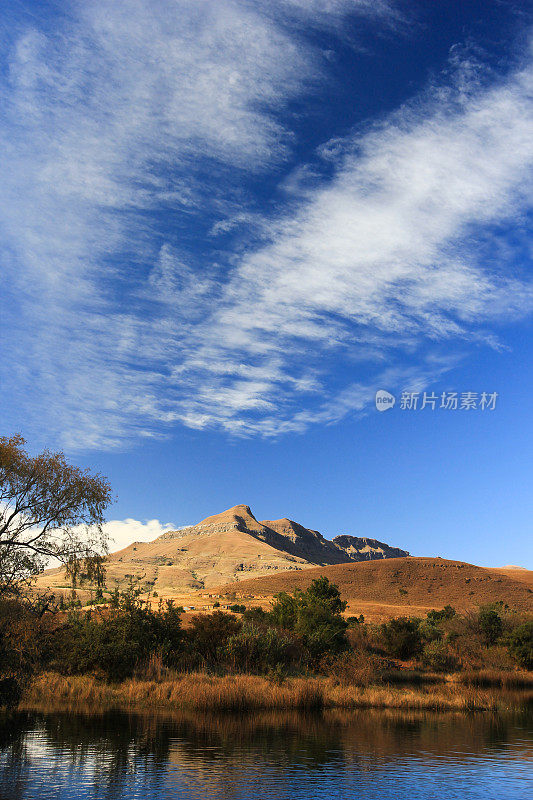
(516, 574)
(388, 587)
(202, 692)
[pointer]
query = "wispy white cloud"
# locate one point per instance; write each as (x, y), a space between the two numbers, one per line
(127, 135)
(122, 532)
(386, 253)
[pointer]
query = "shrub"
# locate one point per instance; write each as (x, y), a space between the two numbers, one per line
(315, 615)
(520, 645)
(353, 622)
(257, 615)
(117, 644)
(401, 637)
(434, 617)
(437, 657)
(429, 631)
(258, 649)
(355, 667)
(490, 625)
(237, 608)
(209, 633)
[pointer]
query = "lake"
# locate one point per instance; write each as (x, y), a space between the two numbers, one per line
(272, 756)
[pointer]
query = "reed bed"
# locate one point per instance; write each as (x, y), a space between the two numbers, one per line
(496, 678)
(201, 692)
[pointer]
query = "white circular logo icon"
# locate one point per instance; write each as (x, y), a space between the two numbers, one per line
(384, 400)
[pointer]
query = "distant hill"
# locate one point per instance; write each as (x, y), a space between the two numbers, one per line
(226, 547)
(409, 584)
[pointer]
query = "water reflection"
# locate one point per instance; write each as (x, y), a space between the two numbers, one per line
(271, 756)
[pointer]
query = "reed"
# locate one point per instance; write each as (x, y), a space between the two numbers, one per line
(496, 678)
(201, 692)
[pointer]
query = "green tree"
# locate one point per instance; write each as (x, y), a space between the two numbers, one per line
(520, 644)
(48, 509)
(315, 615)
(208, 634)
(402, 637)
(284, 610)
(490, 625)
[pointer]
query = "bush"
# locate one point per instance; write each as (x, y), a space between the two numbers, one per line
(437, 657)
(434, 617)
(429, 631)
(355, 667)
(520, 645)
(259, 649)
(353, 622)
(117, 644)
(256, 614)
(490, 625)
(237, 609)
(402, 637)
(208, 634)
(315, 615)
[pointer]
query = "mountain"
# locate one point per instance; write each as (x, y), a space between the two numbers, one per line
(227, 547)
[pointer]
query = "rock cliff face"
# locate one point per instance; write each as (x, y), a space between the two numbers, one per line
(228, 547)
(360, 548)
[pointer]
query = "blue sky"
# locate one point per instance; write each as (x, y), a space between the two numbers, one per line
(225, 224)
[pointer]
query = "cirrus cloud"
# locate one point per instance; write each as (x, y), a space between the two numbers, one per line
(147, 287)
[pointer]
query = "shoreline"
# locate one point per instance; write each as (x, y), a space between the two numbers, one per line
(204, 693)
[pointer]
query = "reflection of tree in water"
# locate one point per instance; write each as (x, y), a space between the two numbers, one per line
(119, 746)
(13, 729)
(113, 746)
(117, 752)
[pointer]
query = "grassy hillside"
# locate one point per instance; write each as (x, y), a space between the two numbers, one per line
(381, 589)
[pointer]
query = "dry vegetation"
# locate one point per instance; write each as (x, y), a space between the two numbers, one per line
(383, 589)
(379, 590)
(302, 654)
(252, 692)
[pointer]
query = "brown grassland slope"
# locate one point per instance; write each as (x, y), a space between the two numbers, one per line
(517, 574)
(395, 586)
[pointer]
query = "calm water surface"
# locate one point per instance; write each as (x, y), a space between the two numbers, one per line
(364, 755)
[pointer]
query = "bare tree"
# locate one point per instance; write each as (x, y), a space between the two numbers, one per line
(48, 509)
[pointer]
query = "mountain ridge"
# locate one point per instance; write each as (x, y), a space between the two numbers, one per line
(227, 546)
